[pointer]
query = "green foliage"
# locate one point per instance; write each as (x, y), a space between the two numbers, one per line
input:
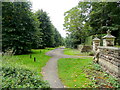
(113, 81)
(21, 78)
(91, 18)
(23, 30)
(0, 27)
(58, 40)
(18, 26)
(99, 78)
(97, 67)
(104, 16)
(72, 41)
(50, 36)
(46, 29)
(74, 23)
(88, 40)
(83, 73)
(92, 53)
(20, 71)
(26, 61)
(68, 42)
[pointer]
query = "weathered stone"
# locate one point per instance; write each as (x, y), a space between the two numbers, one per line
(84, 48)
(108, 40)
(109, 59)
(96, 43)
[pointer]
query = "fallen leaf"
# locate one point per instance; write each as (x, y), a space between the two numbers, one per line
(74, 80)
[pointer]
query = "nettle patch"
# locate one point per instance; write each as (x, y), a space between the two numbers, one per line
(21, 78)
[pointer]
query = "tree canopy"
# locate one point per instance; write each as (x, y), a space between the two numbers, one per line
(18, 26)
(46, 29)
(91, 18)
(23, 29)
(50, 36)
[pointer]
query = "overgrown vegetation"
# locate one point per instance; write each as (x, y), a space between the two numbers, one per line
(99, 78)
(83, 73)
(21, 78)
(21, 71)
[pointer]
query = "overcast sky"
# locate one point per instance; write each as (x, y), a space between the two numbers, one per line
(55, 10)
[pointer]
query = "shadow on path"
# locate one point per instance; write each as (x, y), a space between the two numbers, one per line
(50, 70)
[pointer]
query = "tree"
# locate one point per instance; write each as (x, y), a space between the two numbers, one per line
(104, 16)
(90, 18)
(1, 27)
(18, 27)
(46, 29)
(75, 23)
(58, 40)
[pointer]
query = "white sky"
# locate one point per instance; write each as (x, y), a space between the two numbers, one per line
(55, 10)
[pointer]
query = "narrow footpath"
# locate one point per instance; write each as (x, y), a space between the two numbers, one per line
(50, 70)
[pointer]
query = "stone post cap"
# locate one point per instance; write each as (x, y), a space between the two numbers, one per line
(96, 38)
(109, 32)
(109, 35)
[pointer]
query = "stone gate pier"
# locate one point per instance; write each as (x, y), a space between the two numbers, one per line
(108, 56)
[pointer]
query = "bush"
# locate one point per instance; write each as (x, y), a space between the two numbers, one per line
(21, 78)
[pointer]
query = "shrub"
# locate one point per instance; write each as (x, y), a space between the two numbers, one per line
(21, 78)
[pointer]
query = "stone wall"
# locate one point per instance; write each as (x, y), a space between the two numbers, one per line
(79, 47)
(109, 59)
(84, 48)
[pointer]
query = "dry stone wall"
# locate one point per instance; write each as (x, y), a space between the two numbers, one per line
(84, 48)
(109, 59)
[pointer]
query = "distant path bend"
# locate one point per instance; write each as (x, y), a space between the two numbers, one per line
(50, 71)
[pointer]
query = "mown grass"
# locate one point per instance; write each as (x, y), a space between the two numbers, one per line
(70, 71)
(27, 61)
(69, 51)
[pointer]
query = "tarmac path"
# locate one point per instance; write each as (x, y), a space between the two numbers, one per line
(50, 70)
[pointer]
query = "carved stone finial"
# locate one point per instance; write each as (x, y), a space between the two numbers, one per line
(108, 40)
(109, 32)
(96, 38)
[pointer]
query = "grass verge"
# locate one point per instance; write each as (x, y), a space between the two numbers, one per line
(77, 52)
(23, 71)
(70, 71)
(82, 73)
(27, 61)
